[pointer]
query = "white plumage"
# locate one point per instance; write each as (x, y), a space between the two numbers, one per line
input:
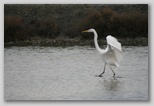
(114, 47)
(112, 55)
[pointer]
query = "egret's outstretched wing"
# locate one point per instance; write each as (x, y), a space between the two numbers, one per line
(116, 46)
(112, 41)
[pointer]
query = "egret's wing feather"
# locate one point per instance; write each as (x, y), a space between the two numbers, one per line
(112, 41)
(116, 46)
(118, 54)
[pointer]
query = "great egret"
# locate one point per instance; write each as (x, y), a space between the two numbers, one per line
(112, 55)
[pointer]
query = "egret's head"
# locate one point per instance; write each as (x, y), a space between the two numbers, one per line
(89, 30)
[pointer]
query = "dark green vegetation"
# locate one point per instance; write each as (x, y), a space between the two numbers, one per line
(62, 24)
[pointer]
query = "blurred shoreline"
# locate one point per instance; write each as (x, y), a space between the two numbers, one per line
(76, 42)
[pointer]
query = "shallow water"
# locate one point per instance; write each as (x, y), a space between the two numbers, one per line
(55, 73)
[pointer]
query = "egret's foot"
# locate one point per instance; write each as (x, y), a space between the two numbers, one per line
(114, 75)
(98, 75)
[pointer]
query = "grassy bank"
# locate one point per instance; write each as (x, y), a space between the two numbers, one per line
(76, 42)
(24, 23)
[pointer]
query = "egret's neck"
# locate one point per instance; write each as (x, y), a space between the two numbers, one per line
(96, 42)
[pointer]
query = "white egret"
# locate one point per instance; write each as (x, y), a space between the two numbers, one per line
(112, 55)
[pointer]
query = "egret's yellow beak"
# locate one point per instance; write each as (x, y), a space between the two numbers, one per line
(85, 31)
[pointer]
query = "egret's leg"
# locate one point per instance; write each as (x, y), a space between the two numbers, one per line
(112, 71)
(103, 71)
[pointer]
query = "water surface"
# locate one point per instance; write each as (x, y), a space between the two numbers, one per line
(55, 73)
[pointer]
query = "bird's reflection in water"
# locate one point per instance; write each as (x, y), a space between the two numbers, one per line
(111, 84)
